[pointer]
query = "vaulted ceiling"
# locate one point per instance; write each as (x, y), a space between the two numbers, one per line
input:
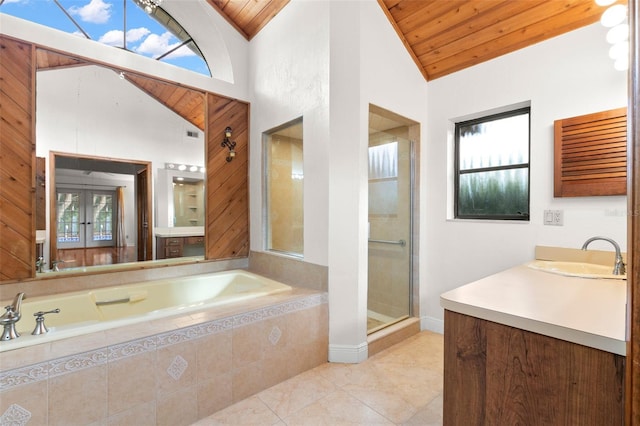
(445, 36)
(442, 36)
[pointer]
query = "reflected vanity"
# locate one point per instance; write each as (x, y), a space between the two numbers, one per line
(180, 200)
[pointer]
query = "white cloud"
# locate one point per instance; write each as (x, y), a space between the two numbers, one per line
(112, 38)
(96, 12)
(137, 34)
(15, 1)
(155, 45)
(115, 37)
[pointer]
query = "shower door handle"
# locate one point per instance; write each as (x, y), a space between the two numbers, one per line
(401, 243)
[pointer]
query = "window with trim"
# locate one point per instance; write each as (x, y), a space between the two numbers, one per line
(492, 167)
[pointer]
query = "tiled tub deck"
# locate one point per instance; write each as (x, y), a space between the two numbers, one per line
(170, 371)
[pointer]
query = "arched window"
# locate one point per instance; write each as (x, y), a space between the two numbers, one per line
(140, 26)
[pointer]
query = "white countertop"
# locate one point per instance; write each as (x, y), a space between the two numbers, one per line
(590, 312)
(180, 231)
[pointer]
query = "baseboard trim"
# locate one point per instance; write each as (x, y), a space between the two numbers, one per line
(432, 324)
(348, 354)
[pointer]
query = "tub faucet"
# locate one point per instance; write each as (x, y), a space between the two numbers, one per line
(9, 319)
(618, 268)
(40, 264)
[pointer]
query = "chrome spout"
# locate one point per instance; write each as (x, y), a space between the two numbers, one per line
(11, 316)
(619, 266)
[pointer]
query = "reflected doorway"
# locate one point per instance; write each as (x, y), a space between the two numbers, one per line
(99, 211)
(390, 216)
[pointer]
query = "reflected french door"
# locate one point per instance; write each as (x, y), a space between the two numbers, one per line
(85, 218)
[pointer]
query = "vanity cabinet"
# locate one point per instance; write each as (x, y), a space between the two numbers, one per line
(496, 374)
(170, 247)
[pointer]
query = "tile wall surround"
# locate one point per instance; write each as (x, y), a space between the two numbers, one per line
(289, 270)
(174, 372)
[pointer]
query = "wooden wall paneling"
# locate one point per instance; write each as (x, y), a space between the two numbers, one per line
(227, 203)
(632, 380)
(17, 160)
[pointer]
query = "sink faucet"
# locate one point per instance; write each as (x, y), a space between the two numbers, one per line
(55, 264)
(9, 319)
(618, 268)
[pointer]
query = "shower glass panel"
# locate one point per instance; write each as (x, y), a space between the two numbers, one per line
(390, 213)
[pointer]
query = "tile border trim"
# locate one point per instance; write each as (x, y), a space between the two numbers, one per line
(60, 366)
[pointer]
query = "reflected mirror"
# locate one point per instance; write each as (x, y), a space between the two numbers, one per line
(115, 119)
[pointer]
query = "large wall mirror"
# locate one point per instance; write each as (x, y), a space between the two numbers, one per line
(111, 139)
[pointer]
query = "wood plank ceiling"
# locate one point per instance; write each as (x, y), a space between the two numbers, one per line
(445, 36)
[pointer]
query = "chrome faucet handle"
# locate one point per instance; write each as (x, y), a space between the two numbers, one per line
(8, 322)
(40, 327)
(55, 264)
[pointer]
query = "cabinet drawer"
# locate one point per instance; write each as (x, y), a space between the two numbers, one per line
(194, 240)
(174, 241)
(173, 251)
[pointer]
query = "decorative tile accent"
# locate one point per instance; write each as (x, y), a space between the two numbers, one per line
(69, 364)
(78, 362)
(177, 367)
(23, 376)
(15, 416)
(275, 335)
(131, 348)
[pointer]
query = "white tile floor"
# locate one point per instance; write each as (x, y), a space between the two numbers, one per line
(401, 385)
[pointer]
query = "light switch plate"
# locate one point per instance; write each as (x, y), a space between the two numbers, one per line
(554, 217)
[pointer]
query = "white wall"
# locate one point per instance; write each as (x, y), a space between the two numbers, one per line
(563, 77)
(326, 61)
(289, 79)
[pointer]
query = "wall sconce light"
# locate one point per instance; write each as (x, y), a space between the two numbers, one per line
(229, 144)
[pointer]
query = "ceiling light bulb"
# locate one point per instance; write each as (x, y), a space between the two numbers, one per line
(193, 168)
(605, 2)
(618, 33)
(202, 169)
(619, 50)
(182, 167)
(614, 15)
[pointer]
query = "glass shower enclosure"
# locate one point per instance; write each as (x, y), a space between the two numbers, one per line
(391, 175)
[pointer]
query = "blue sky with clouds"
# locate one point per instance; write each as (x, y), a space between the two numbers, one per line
(103, 21)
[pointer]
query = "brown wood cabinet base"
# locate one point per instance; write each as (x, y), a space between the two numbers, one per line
(500, 375)
(170, 247)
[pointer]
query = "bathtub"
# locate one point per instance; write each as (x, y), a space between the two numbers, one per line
(101, 309)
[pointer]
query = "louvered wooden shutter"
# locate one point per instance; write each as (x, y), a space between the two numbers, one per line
(591, 154)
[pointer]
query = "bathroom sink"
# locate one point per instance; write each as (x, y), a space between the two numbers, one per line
(576, 269)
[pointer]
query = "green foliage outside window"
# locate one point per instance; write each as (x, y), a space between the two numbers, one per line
(492, 167)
